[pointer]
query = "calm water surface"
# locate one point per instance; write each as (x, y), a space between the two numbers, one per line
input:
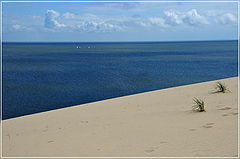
(39, 77)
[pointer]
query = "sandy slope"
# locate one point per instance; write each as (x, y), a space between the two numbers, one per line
(158, 123)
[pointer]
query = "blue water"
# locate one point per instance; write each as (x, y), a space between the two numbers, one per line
(39, 77)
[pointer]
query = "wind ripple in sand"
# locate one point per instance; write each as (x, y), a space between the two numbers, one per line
(151, 149)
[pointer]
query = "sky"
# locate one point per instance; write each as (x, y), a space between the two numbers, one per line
(125, 21)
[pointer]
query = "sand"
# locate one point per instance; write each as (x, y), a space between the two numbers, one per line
(154, 124)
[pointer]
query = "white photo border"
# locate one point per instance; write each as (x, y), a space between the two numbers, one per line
(157, 1)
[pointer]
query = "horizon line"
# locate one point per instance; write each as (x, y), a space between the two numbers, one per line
(114, 41)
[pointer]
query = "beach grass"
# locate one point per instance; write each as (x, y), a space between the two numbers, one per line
(221, 88)
(199, 105)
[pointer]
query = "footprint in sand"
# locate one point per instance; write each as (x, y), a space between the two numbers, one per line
(150, 150)
(225, 108)
(153, 148)
(84, 122)
(230, 114)
(50, 141)
(224, 114)
(234, 113)
(46, 128)
(208, 125)
(192, 129)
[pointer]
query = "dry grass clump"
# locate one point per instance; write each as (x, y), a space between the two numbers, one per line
(199, 105)
(221, 88)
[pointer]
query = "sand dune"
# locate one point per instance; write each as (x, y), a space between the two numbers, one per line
(153, 124)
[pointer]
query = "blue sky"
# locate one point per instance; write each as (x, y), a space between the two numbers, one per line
(135, 21)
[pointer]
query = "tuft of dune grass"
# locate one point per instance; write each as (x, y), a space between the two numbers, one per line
(198, 105)
(221, 88)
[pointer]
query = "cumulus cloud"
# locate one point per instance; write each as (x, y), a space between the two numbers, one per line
(93, 23)
(96, 26)
(227, 18)
(191, 17)
(72, 22)
(173, 17)
(221, 17)
(51, 20)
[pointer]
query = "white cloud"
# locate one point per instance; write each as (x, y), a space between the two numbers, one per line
(173, 17)
(94, 23)
(221, 17)
(144, 24)
(69, 15)
(16, 27)
(213, 13)
(192, 17)
(72, 22)
(51, 21)
(96, 26)
(19, 27)
(158, 21)
(227, 18)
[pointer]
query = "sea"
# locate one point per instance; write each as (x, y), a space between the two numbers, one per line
(38, 77)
